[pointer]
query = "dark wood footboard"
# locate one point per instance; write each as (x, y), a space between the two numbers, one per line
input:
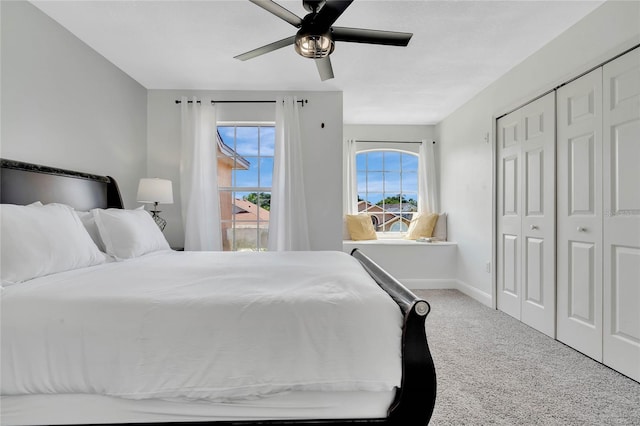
(417, 395)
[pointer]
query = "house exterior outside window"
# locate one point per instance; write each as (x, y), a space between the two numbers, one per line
(244, 183)
(387, 183)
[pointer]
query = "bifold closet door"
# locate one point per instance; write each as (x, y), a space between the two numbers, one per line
(526, 214)
(621, 196)
(579, 214)
(509, 226)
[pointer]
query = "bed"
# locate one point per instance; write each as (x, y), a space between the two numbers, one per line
(165, 337)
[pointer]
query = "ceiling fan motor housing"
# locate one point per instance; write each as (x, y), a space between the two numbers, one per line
(313, 40)
(314, 45)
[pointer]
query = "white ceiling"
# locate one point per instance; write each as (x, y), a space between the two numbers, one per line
(458, 48)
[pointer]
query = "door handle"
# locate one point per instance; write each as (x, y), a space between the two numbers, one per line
(582, 229)
(534, 227)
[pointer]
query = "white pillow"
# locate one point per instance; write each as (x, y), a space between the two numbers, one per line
(41, 240)
(129, 233)
(89, 222)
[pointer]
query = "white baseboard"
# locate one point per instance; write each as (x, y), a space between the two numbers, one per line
(474, 293)
(440, 284)
(428, 284)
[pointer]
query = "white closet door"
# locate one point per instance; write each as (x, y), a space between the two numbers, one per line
(526, 214)
(579, 214)
(538, 302)
(509, 214)
(621, 194)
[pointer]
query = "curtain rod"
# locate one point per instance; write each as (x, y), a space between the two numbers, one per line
(301, 102)
(358, 140)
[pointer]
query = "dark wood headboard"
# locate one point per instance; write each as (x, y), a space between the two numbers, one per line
(24, 183)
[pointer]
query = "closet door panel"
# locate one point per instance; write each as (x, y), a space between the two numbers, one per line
(625, 292)
(621, 201)
(624, 168)
(509, 215)
(579, 214)
(534, 275)
(511, 267)
(581, 286)
(538, 302)
(581, 175)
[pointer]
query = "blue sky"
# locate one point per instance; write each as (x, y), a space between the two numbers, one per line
(389, 161)
(251, 142)
(386, 174)
(379, 174)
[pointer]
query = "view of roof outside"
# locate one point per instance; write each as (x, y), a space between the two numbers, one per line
(388, 188)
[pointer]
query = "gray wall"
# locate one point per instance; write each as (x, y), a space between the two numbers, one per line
(66, 106)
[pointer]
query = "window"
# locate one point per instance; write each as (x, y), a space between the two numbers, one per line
(245, 170)
(388, 188)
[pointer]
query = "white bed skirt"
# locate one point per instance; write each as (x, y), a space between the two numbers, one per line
(96, 409)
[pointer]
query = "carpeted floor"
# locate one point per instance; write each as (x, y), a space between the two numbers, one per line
(494, 370)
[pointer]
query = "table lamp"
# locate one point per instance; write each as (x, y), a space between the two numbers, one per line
(156, 191)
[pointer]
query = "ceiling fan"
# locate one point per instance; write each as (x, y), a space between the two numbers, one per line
(316, 36)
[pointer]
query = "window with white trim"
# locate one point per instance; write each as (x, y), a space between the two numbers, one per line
(387, 182)
(245, 170)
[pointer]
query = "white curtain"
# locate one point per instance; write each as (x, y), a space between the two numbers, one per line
(427, 189)
(199, 177)
(350, 191)
(288, 228)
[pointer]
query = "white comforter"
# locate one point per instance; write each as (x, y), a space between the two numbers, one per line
(216, 326)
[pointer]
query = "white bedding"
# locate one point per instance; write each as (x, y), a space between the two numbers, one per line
(194, 325)
(65, 409)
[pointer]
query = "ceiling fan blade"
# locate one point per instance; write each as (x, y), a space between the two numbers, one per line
(266, 49)
(360, 35)
(279, 11)
(330, 12)
(324, 68)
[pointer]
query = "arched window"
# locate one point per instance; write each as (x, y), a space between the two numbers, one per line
(387, 182)
(399, 226)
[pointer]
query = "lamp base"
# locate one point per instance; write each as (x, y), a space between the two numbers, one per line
(157, 219)
(160, 222)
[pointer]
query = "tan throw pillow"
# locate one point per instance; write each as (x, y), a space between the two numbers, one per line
(360, 227)
(421, 225)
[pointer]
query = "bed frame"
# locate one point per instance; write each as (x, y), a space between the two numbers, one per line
(24, 183)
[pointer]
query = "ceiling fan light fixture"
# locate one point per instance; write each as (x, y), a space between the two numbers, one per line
(313, 45)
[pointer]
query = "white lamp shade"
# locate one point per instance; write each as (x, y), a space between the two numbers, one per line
(154, 190)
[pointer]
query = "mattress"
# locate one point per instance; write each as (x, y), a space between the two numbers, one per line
(91, 409)
(198, 328)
